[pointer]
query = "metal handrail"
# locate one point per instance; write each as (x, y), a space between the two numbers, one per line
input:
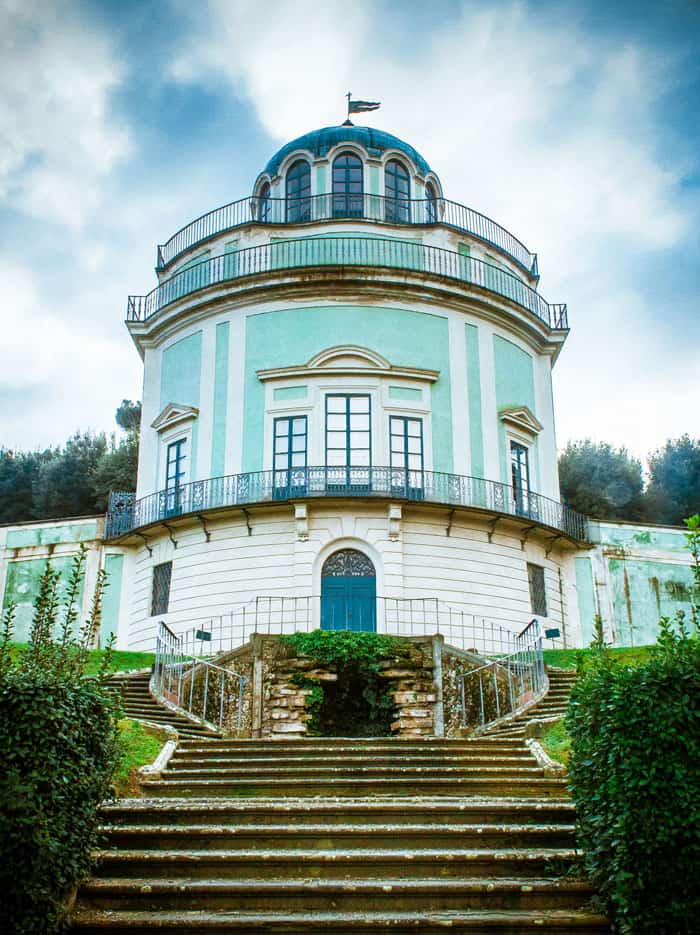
(347, 251)
(312, 208)
(174, 675)
(454, 490)
(524, 672)
(282, 614)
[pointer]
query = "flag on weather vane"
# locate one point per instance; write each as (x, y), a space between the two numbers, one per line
(360, 107)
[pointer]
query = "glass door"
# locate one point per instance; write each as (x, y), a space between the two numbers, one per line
(406, 445)
(289, 460)
(348, 442)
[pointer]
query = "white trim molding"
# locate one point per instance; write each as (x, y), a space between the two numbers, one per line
(174, 414)
(521, 420)
(348, 360)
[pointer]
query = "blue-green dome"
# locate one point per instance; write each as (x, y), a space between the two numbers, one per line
(318, 142)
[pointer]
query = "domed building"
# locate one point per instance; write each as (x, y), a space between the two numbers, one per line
(347, 406)
(348, 423)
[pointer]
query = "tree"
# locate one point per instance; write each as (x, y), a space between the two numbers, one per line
(601, 481)
(64, 485)
(128, 416)
(674, 484)
(116, 470)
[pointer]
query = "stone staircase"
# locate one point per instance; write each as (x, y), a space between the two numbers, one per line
(344, 835)
(140, 705)
(552, 705)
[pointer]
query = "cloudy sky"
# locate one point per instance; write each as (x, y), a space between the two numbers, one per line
(575, 125)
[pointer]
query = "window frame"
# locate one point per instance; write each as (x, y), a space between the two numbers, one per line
(345, 202)
(403, 476)
(397, 206)
(537, 588)
(297, 192)
(264, 205)
(160, 602)
(521, 493)
(355, 475)
(431, 199)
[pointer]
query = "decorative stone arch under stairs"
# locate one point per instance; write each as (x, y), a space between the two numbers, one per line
(358, 835)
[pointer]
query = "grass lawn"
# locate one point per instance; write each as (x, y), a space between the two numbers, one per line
(557, 743)
(566, 658)
(140, 746)
(122, 660)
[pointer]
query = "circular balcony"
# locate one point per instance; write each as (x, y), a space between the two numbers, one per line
(329, 207)
(347, 251)
(126, 514)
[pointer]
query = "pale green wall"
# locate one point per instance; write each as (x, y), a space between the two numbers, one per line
(114, 566)
(405, 392)
(22, 587)
(218, 441)
(51, 535)
(475, 427)
(586, 597)
(289, 392)
(321, 188)
(180, 381)
(374, 180)
(642, 592)
(291, 337)
(637, 537)
(515, 386)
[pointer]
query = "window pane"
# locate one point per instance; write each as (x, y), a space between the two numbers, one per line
(336, 440)
(415, 463)
(335, 456)
(359, 404)
(299, 443)
(336, 422)
(299, 459)
(299, 426)
(335, 404)
(359, 439)
(281, 427)
(359, 422)
(282, 445)
(415, 427)
(360, 457)
(414, 445)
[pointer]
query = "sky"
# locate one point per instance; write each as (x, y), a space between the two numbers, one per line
(575, 125)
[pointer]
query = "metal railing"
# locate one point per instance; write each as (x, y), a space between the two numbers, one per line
(197, 687)
(504, 685)
(373, 252)
(454, 490)
(345, 207)
(410, 616)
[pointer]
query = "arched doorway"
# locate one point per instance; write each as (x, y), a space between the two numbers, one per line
(348, 592)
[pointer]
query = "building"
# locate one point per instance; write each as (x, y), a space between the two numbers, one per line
(348, 422)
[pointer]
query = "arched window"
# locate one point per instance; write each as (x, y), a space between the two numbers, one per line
(348, 186)
(298, 192)
(397, 189)
(263, 202)
(431, 209)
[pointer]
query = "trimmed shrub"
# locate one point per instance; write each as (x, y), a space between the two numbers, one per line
(59, 751)
(634, 776)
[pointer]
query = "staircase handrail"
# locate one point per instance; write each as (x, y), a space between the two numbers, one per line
(526, 664)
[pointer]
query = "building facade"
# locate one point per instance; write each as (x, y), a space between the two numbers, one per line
(347, 419)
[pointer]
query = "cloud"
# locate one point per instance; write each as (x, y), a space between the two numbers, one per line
(58, 142)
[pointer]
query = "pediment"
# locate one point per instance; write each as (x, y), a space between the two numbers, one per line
(173, 414)
(521, 418)
(348, 360)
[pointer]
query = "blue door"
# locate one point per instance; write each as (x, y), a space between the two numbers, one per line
(348, 592)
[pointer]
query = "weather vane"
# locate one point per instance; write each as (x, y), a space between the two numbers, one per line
(359, 107)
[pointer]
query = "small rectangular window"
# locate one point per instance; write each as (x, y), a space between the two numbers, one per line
(520, 476)
(160, 589)
(538, 595)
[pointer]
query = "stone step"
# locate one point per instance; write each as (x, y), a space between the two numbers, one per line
(354, 771)
(353, 786)
(186, 761)
(354, 864)
(516, 922)
(368, 812)
(339, 836)
(387, 894)
(311, 747)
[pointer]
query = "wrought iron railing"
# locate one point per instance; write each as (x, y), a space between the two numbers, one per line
(346, 251)
(343, 207)
(455, 490)
(410, 617)
(507, 684)
(205, 692)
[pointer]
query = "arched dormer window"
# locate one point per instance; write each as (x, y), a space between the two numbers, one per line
(397, 189)
(348, 186)
(298, 192)
(431, 207)
(263, 205)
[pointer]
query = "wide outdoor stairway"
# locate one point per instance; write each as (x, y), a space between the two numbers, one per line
(140, 705)
(552, 705)
(338, 835)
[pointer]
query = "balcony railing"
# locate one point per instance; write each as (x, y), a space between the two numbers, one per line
(454, 490)
(343, 207)
(346, 251)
